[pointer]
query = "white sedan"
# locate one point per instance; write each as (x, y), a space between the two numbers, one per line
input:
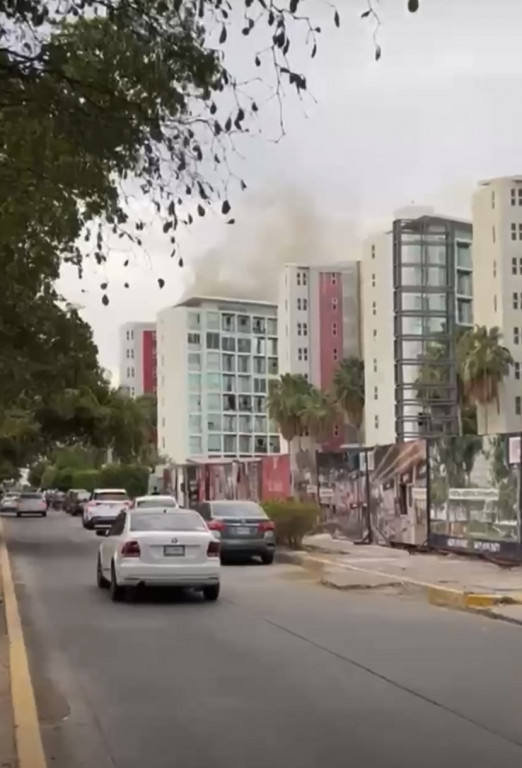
(155, 501)
(172, 548)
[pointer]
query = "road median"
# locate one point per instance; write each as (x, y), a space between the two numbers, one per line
(13, 653)
(392, 573)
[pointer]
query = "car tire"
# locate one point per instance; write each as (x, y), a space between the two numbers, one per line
(267, 558)
(211, 593)
(101, 581)
(117, 593)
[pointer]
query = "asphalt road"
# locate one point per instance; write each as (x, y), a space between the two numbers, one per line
(280, 672)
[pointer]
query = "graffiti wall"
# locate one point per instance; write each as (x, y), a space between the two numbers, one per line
(398, 496)
(475, 493)
(342, 490)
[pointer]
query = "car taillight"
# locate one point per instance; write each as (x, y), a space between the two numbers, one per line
(131, 549)
(266, 525)
(213, 549)
(216, 525)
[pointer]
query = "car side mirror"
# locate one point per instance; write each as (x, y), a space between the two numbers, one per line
(102, 533)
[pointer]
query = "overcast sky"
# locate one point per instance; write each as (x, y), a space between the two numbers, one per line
(440, 110)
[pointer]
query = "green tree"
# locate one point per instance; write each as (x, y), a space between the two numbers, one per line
(288, 399)
(348, 387)
(320, 414)
(483, 364)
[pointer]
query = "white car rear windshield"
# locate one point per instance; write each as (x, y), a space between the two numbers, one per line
(110, 496)
(167, 521)
(156, 503)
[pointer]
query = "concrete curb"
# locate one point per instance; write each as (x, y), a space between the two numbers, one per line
(435, 594)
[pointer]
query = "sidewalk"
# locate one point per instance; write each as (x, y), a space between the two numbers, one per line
(448, 580)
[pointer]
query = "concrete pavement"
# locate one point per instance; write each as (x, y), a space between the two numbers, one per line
(280, 672)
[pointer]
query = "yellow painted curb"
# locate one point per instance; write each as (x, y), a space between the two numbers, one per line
(436, 595)
(27, 730)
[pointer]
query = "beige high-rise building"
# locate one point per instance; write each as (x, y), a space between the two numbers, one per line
(497, 266)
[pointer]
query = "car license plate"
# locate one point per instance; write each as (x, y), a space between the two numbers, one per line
(174, 551)
(243, 531)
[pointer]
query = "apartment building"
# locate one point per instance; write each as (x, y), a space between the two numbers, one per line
(417, 291)
(138, 358)
(319, 324)
(216, 358)
(497, 265)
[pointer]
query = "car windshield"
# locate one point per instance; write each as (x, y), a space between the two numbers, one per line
(167, 521)
(111, 496)
(237, 509)
(156, 502)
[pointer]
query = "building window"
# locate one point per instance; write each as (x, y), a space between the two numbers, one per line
(194, 321)
(518, 405)
(128, 335)
(193, 339)
(305, 329)
(493, 199)
(374, 307)
(373, 251)
(494, 268)
(376, 422)
(376, 393)
(513, 266)
(228, 344)
(305, 278)
(513, 231)
(516, 336)
(495, 302)
(513, 197)
(520, 231)
(298, 278)
(299, 330)
(333, 278)
(334, 329)
(520, 266)
(494, 234)
(299, 304)
(305, 303)
(375, 333)
(336, 430)
(335, 354)
(373, 281)
(517, 370)
(302, 353)
(375, 365)
(127, 354)
(515, 300)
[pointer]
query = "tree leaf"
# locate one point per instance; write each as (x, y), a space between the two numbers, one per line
(337, 19)
(103, 286)
(161, 282)
(223, 35)
(365, 14)
(378, 52)
(201, 210)
(105, 300)
(413, 6)
(225, 208)
(180, 262)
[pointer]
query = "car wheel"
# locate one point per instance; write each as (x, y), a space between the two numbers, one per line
(101, 581)
(211, 593)
(267, 558)
(116, 590)
(19, 514)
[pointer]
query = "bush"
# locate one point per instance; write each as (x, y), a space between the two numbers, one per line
(133, 477)
(293, 520)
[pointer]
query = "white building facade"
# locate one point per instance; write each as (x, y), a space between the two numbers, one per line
(417, 292)
(216, 358)
(319, 323)
(497, 265)
(137, 365)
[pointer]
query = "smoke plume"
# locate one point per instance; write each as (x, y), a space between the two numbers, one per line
(271, 230)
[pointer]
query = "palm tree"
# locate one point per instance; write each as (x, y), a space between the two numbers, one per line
(348, 387)
(483, 364)
(320, 414)
(287, 402)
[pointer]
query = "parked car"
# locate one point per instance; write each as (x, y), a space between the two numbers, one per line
(31, 503)
(9, 502)
(103, 507)
(242, 527)
(57, 500)
(155, 501)
(75, 500)
(168, 548)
